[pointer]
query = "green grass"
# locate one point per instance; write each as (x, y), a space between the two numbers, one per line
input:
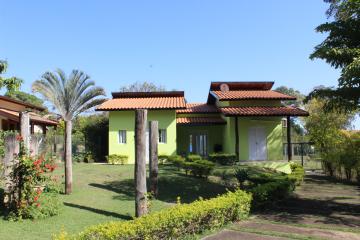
(105, 193)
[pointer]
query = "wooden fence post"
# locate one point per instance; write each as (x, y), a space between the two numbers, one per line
(153, 145)
(140, 162)
(25, 129)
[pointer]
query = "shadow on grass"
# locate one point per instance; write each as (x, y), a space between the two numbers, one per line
(172, 184)
(99, 211)
(313, 206)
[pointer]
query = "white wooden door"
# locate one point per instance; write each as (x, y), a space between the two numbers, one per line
(257, 143)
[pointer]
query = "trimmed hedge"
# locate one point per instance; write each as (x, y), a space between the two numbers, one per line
(193, 164)
(223, 158)
(117, 159)
(178, 222)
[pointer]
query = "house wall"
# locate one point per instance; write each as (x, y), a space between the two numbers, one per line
(215, 133)
(125, 120)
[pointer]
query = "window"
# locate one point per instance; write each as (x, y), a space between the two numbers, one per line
(122, 136)
(162, 135)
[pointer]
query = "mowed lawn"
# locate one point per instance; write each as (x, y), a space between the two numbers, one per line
(105, 193)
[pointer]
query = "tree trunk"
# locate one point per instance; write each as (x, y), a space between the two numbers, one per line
(140, 162)
(68, 157)
(154, 170)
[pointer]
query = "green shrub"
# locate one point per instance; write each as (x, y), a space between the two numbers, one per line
(297, 173)
(199, 168)
(163, 158)
(193, 158)
(117, 159)
(242, 175)
(178, 222)
(271, 192)
(223, 158)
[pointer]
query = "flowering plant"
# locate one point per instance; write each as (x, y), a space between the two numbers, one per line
(34, 188)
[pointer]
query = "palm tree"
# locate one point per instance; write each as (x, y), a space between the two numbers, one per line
(70, 95)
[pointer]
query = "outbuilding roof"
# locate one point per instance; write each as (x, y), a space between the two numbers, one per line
(144, 100)
(34, 118)
(263, 111)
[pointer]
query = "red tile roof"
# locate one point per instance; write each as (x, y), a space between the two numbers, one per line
(214, 86)
(37, 119)
(143, 103)
(263, 111)
(200, 120)
(199, 108)
(251, 94)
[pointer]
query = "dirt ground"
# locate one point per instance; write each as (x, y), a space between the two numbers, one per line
(320, 209)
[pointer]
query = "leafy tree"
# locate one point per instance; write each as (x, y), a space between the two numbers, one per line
(292, 92)
(325, 130)
(12, 83)
(25, 97)
(142, 87)
(296, 125)
(70, 95)
(341, 49)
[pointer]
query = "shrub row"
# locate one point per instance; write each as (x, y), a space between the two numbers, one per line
(177, 222)
(223, 158)
(269, 186)
(117, 159)
(193, 164)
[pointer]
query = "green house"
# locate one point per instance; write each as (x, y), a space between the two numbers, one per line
(242, 118)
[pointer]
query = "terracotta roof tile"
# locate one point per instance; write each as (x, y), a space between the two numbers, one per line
(251, 94)
(199, 108)
(143, 103)
(200, 120)
(33, 117)
(263, 111)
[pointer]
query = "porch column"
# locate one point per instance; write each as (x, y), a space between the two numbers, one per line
(25, 129)
(288, 130)
(237, 138)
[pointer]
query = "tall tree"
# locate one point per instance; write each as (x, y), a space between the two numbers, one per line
(142, 87)
(25, 97)
(70, 95)
(11, 83)
(324, 129)
(341, 49)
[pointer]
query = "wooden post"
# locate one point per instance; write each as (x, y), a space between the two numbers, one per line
(153, 145)
(25, 129)
(140, 162)
(288, 136)
(237, 138)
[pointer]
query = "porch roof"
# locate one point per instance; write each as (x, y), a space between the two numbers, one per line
(144, 100)
(34, 118)
(200, 120)
(250, 95)
(263, 111)
(199, 108)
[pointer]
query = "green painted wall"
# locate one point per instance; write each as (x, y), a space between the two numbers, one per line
(215, 133)
(273, 131)
(125, 120)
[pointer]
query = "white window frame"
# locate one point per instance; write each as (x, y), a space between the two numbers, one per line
(163, 130)
(120, 137)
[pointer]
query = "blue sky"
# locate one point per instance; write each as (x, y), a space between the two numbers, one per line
(182, 45)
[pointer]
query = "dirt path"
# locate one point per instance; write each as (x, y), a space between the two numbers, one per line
(320, 209)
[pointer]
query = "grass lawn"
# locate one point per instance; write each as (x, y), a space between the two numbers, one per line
(105, 193)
